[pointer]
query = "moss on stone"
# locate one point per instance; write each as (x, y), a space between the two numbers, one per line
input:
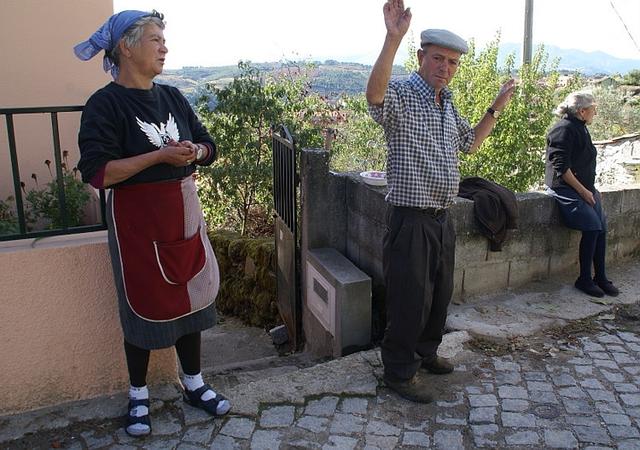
(250, 298)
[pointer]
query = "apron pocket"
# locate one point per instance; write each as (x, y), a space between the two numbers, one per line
(180, 261)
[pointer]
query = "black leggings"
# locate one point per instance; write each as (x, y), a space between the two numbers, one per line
(187, 347)
(593, 251)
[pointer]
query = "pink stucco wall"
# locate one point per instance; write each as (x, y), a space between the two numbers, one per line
(60, 338)
(39, 68)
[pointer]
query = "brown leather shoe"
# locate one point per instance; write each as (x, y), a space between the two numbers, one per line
(414, 389)
(437, 365)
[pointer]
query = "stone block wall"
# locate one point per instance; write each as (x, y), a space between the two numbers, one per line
(541, 247)
(247, 278)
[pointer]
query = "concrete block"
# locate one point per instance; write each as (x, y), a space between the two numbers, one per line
(631, 199)
(471, 249)
(339, 296)
(517, 245)
(564, 263)
(323, 219)
(623, 249)
(372, 265)
(372, 237)
(523, 271)
(353, 251)
(612, 201)
(366, 199)
(464, 220)
(318, 341)
(539, 236)
(485, 278)
(536, 208)
(562, 239)
(458, 278)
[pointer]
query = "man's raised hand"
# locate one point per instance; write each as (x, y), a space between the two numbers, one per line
(396, 17)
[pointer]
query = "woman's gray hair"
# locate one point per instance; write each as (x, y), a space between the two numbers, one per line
(134, 33)
(574, 102)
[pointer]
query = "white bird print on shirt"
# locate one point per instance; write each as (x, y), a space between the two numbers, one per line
(162, 135)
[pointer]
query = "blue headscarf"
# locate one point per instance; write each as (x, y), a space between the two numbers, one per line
(106, 38)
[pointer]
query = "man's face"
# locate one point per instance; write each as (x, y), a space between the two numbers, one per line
(437, 65)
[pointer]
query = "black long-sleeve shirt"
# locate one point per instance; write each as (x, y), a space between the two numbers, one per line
(119, 122)
(569, 147)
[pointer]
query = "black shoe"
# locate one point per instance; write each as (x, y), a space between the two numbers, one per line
(413, 389)
(437, 365)
(589, 287)
(608, 287)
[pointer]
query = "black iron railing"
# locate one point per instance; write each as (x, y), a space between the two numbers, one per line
(23, 232)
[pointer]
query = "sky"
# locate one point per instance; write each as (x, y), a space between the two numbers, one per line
(215, 33)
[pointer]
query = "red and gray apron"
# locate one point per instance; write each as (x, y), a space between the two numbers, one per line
(166, 264)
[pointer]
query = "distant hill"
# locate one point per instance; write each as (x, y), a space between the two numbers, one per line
(332, 78)
(329, 78)
(587, 63)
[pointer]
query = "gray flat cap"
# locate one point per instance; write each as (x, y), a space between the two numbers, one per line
(443, 38)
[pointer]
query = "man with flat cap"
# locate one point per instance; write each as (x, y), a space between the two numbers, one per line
(424, 132)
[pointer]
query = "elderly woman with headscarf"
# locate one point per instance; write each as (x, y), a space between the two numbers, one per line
(143, 140)
(570, 173)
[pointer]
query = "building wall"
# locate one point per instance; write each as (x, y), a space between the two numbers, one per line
(60, 338)
(39, 69)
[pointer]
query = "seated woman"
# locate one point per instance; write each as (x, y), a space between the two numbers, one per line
(570, 173)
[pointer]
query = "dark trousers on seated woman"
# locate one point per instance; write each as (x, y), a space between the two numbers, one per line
(593, 251)
(579, 215)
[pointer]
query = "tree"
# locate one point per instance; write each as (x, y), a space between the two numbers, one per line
(617, 114)
(237, 187)
(632, 78)
(513, 154)
(359, 143)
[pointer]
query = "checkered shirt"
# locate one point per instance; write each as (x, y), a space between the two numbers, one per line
(422, 141)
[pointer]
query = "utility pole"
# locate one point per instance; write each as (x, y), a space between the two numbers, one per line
(527, 43)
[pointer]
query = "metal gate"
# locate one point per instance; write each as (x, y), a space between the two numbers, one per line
(285, 199)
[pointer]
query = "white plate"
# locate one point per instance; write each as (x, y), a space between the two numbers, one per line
(374, 177)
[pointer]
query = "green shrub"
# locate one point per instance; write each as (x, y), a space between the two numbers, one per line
(8, 219)
(359, 142)
(616, 114)
(44, 206)
(238, 185)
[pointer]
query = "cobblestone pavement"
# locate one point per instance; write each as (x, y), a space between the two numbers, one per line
(553, 391)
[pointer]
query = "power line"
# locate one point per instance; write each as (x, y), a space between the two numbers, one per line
(624, 25)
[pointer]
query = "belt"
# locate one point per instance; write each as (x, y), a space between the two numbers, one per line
(433, 212)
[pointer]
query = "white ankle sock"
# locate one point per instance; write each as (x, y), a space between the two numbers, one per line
(193, 382)
(139, 393)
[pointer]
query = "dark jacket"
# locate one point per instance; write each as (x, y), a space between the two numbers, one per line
(495, 208)
(569, 146)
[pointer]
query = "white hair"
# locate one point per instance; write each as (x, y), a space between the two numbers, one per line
(134, 33)
(575, 102)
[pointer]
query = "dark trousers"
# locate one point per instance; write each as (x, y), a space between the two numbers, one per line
(187, 348)
(418, 264)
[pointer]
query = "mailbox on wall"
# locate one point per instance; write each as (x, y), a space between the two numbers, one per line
(338, 296)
